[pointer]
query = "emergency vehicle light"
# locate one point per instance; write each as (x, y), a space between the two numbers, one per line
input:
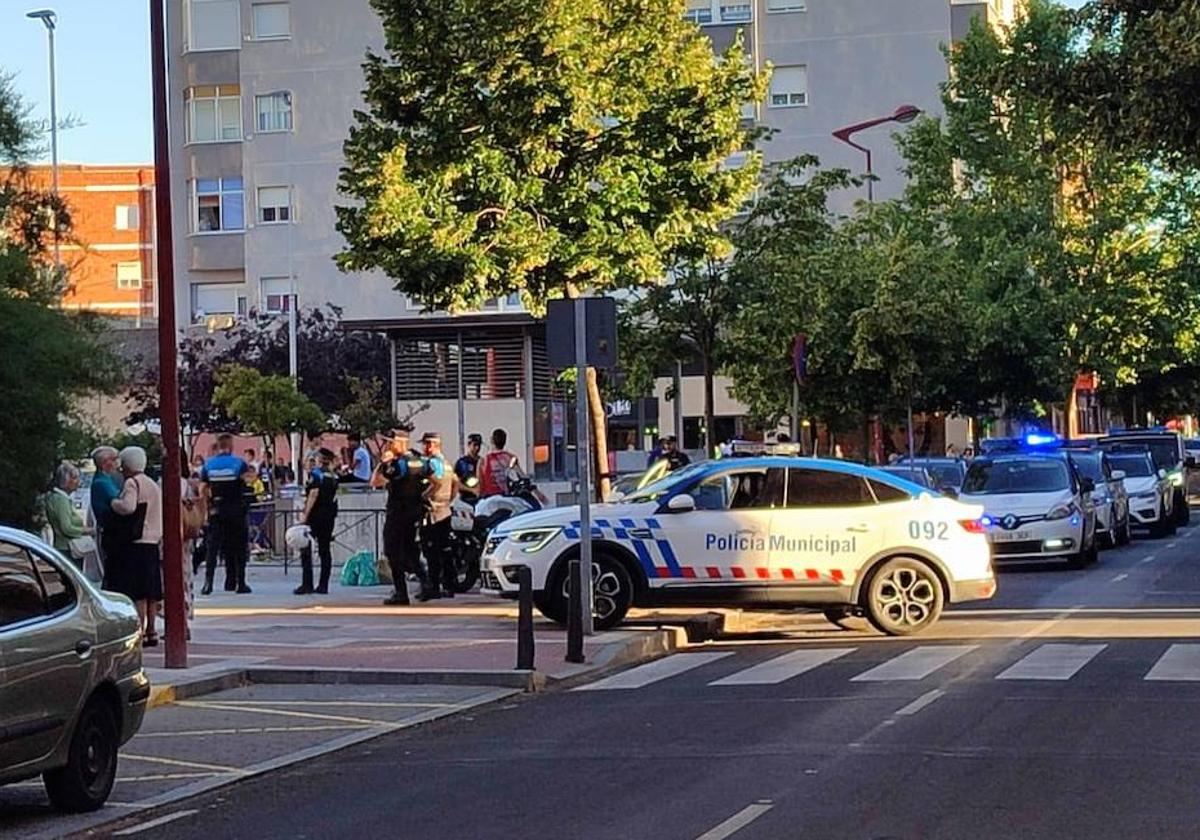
(1039, 439)
(754, 447)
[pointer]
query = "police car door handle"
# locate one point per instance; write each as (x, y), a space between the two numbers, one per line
(859, 529)
(641, 533)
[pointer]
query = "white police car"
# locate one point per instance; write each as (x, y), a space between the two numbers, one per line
(1150, 490)
(1037, 506)
(759, 531)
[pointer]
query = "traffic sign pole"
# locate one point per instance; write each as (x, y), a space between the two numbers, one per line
(584, 453)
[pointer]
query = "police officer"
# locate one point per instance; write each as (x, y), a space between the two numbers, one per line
(320, 513)
(435, 532)
(402, 472)
(221, 483)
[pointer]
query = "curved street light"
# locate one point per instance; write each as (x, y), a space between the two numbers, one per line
(903, 115)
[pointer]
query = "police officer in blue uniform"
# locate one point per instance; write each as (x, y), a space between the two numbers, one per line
(403, 473)
(319, 514)
(221, 481)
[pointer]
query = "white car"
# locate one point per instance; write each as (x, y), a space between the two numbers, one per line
(1110, 498)
(1151, 493)
(759, 531)
(1037, 507)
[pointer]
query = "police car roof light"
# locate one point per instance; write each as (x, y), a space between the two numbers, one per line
(754, 447)
(1040, 439)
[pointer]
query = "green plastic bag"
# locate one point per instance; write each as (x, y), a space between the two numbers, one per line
(359, 570)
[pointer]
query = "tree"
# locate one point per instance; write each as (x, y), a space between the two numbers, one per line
(370, 412)
(48, 357)
(541, 148)
(268, 406)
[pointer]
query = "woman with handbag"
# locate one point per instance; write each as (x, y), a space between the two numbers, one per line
(133, 535)
(71, 536)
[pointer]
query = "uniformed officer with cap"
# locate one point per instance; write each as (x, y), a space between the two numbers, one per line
(221, 483)
(435, 531)
(403, 473)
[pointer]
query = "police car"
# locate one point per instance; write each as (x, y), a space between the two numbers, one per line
(1037, 506)
(762, 530)
(1169, 454)
(1151, 493)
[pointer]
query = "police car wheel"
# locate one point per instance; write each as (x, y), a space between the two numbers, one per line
(1183, 511)
(1124, 534)
(612, 594)
(904, 596)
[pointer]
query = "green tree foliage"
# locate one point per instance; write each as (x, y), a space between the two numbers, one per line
(540, 147)
(48, 357)
(267, 406)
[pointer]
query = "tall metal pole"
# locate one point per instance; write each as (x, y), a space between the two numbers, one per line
(293, 301)
(168, 379)
(583, 451)
(54, 138)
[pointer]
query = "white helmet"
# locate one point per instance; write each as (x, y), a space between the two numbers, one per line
(298, 537)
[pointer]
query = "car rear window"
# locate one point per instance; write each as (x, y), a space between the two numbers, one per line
(59, 592)
(825, 488)
(885, 493)
(21, 597)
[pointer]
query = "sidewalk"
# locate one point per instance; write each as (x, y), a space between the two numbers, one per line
(350, 636)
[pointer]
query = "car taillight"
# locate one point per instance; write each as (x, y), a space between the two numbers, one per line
(973, 526)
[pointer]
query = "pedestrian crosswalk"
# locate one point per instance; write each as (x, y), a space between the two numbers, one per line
(1049, 662)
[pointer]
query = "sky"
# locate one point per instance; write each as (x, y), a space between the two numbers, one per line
(103, 50)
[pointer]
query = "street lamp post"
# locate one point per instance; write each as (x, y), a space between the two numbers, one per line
(49, 19)
(904, 114)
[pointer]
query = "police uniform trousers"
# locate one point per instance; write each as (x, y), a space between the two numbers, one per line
(227, 537)
(435, 542)
(400, 546)
(322, 534)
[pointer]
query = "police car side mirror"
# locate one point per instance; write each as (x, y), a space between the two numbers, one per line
(1162, 473)
(1118, 475)
(681, 503)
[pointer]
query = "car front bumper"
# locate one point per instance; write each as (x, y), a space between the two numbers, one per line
(1145, 512)
(1037, 540)
(135, 696)
(980, 589)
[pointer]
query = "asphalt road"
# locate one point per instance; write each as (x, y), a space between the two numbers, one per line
(1064, 708)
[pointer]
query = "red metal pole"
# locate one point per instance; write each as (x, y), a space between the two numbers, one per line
(168, 377)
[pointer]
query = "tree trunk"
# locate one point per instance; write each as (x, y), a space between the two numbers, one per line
(599, 420)
(709, 420)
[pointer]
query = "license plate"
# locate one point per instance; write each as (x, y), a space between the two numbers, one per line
(1011, 536)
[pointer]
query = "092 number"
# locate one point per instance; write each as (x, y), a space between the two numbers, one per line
(928, 530)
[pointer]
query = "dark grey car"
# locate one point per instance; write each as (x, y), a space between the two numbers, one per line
(72, 688)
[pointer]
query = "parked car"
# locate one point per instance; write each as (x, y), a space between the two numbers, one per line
(1166, 448)
(1151, 494)
(1113, 523)
(72, 688)
(917, 475)
(948, 473)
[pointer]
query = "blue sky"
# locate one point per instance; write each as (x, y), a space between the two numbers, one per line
(103, 73)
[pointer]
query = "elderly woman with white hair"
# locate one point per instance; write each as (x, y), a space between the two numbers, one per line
(61, 515)
(134, 565)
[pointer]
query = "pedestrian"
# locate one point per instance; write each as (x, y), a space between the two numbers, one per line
(495, 467)
(249, 457)
(468, 465)
(403, 476)
(65, 522)
(358, 458)
(441, 486)
(675, 457)
(656, 453)
(952, 451)
(135, 567)
(320, 515)
(223, 489)
(106, 486)
(284, 474)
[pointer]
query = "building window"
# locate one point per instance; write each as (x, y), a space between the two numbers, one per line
(127, 217)
(274, 205)
(129, 275)
(789, 87)
(212, 25)
(219, 205)
(271, 21)
(214, 113)
(276, 295)
(273, 111)
(706, 12)
(786, 6)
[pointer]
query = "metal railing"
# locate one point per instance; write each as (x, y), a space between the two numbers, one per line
(267, 526)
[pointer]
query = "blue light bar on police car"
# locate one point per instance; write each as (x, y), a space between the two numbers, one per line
(1040, 439)
(754, 447)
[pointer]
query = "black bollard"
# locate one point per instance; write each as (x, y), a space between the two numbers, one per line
(525, 619)
(574, 614)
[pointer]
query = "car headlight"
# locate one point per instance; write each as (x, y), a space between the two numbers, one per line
(1147, 496)
(534, 539)
(1061, 511)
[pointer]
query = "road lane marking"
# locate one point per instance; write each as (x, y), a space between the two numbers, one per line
(1119, 578)
(1051, 662)
(174, 762)
(921, 702)
(146, 826)
(652, 672)
(1180, 663)
(915, 664)
(737, 822)
(371, 703)
(1150, 559)
(251, 730)
(1172, 545)
(259, 710)
(784, 667)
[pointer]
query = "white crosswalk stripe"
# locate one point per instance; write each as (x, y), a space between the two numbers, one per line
(1180, 663)
(783, 667)
(1051, 662)
(652, 672)
(915, 664)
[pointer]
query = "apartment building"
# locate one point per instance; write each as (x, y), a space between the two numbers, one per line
(111, 256)
(261, 97)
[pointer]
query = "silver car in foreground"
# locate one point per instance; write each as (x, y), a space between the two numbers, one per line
(72, 688)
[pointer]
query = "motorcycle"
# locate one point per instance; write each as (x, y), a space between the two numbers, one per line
(471, 519)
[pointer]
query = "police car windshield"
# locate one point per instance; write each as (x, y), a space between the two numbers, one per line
(1164, 450)
(1134, 466)
(1033, 476)
(652, 491)
(1088, 465)
(913, 474)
